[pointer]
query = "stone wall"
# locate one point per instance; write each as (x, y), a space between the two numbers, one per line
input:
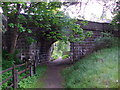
(26, 50)
(84, 48)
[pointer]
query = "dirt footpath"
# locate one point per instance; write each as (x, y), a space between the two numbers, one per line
(53, 77)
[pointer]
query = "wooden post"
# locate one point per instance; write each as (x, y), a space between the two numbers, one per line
(26, 66)
(15, 77)
(31, 69)
(34, 67)
(16, 73)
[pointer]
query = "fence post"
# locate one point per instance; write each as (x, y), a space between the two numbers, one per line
(26, 66)
(34, 67)
(15, 77)
(31, 69)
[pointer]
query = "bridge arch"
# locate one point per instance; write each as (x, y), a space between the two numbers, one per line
(40, 51)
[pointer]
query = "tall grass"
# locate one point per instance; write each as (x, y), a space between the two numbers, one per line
(98, 70)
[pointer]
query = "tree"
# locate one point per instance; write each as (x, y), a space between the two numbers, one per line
(48, 23)
(15, 20)
(80, 8)
(116, 12)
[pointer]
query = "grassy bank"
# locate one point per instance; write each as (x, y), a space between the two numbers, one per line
(98, 70)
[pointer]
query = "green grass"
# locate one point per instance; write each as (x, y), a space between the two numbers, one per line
(98, 70)
(34, 81)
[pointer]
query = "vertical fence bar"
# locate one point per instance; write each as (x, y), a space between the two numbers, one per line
(31, 69)
(26, 66)
(13, 74)
(15, 77)
(34, 67)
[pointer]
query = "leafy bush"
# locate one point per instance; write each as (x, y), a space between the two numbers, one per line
(29, 82)
(9, 59)
(32, 82)
(30, 40)
(9, 73)
(5, 76)
(105, 41)
(65, 56)
(54, 57)
(116, 20)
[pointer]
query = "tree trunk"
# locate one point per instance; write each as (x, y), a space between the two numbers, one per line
(45, 51)
(14, 37)
(14, 33)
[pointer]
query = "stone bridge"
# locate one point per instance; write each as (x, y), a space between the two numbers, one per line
(77, 50)
(82, 49)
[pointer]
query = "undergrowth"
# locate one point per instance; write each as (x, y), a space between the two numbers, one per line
(34, 81)
(98, 70)
(29, 82)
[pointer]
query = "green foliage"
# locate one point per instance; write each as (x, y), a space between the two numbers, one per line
(52, 23)
(29, 82)
(84, 22)
(11, 25)
(105, 41)
(34, 81)
(9, 73)
(5, 76)
(98, 70)
(65, 56)
(55, 56)
(20, 27)
(15, 20)
(89, 34)
(30, 40)
(9, 59)
(116, 20)
(59, 49)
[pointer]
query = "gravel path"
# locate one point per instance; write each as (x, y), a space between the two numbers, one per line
(53, 77)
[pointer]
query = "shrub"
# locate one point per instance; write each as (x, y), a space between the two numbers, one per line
(105, 41)
(29, 82)
(65, 56)
(32, 82)
(9, 59)
(5, 76)
(54, 57)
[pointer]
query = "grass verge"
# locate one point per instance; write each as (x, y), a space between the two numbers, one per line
(98, 70)
(34, 81)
